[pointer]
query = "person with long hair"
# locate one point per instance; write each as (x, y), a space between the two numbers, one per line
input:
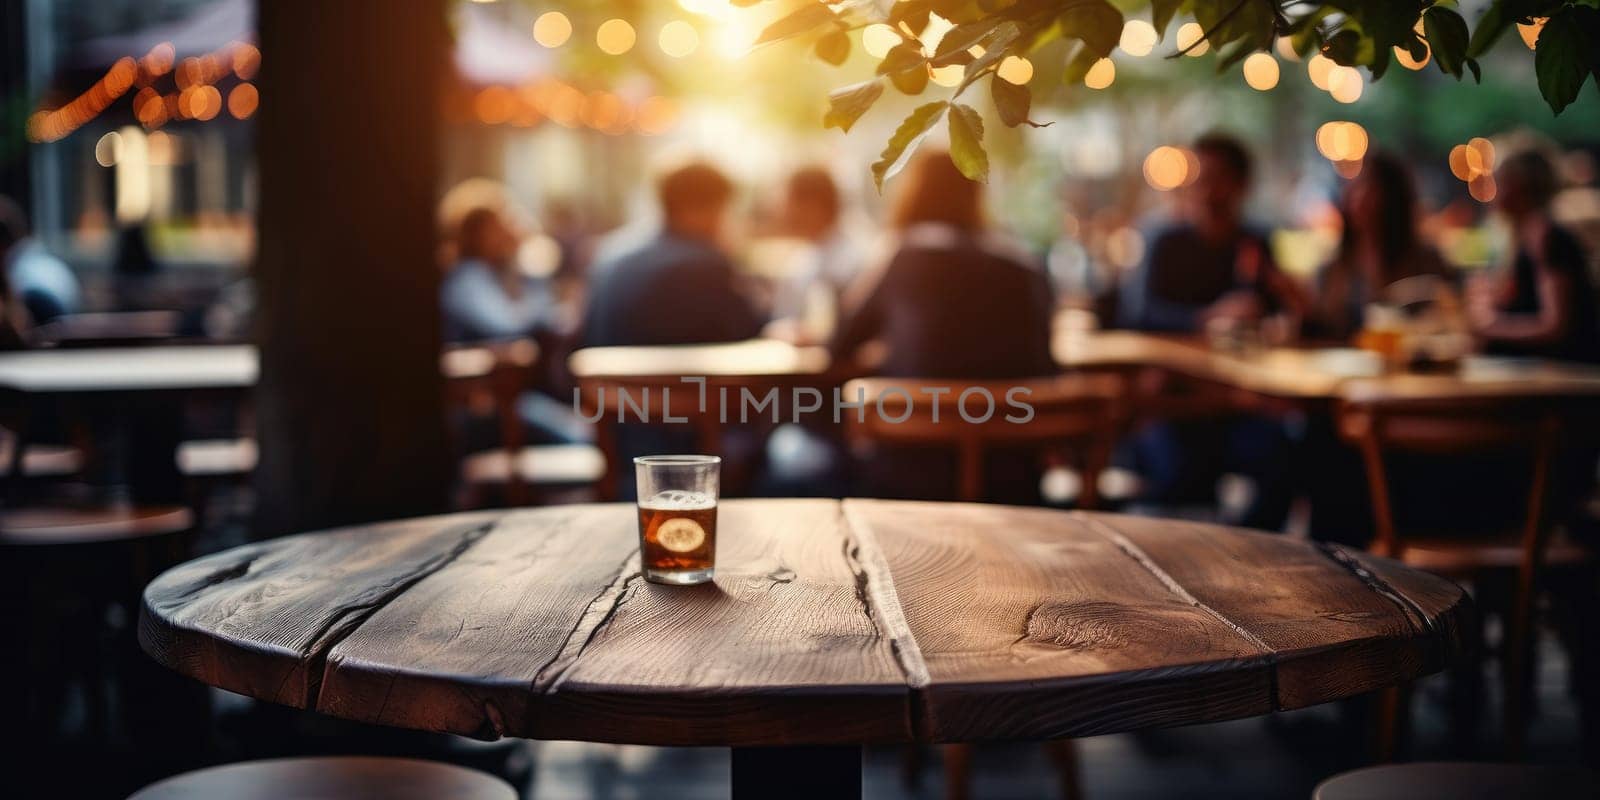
(954, 300)
(1378, 246)
(1544, 304)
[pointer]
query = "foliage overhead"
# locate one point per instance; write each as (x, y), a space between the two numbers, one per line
(1356, 33)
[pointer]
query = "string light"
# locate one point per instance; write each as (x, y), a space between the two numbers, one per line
(1188, 34)
(1261, 71)
(1101, 75)
(678, 38)
(1138, 38)
(615, 37)
(1167, 168)
(1015, 69)
(552, 29)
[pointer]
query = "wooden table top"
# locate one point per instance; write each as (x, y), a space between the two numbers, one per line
(129, 369)
(136, 369)
(829, 623)
(753, 358)
(1318, 372)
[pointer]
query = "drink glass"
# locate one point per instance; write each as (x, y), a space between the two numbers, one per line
(678, 517)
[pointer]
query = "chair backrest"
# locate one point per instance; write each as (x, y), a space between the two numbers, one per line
(1062, 410)
(488, 378)
(1539, 426)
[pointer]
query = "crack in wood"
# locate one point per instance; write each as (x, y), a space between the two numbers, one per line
(1133, 551)
(599, 612)
(881, 603)
(340, 626)
(1419, 620)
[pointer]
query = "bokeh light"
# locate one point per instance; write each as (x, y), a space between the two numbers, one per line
(1318, 68)
(678, 38)
(1345, 84)
(1340, 141)
(1101, 75)
(1403, 56)
(243, 100)
(615, 37)
(947, 76)
(1483, 188)
(552, 29)
(1167, 168)
(1015, 69)
(1138, 38)
(1530, 33)
(1285, 47)
(108, 149)
(1261, 71)
(878, 39)
(1188, 34)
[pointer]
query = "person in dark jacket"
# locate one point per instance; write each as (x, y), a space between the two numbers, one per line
(952, 302)
(1207, 269)
(679, 287)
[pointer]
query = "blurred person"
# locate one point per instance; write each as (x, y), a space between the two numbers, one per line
(679, 287)
(40, 283)
(954, 301)
(1379, 245)
(1211, 269)
(486, 295)
(1209, 265)
(1545, 303)
(813, 211)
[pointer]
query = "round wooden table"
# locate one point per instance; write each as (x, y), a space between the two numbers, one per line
(830, 624)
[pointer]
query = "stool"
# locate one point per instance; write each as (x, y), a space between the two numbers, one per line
(1443, 780)
(336, 778)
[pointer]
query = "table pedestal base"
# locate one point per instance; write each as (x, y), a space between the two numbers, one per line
(810, 772)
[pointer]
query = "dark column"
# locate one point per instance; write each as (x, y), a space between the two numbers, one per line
(809, 772)
(349, 405)
(14, 103)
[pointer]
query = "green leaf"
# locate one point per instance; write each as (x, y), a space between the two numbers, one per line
(1348, 48)
(1447, 37)
(910, 81)
(1562, 59)
(1161, 14)
(998, 47)
(1096, 22)
(834, 48)
(1011, 101)
(1226, 22)
(902, 56)
(913, 129)
(1491, 25)
(797, 22)
(1477, 71)
(846, 105)
(966, 143)
(961, 38)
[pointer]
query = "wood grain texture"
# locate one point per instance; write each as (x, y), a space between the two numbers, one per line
(258, 619)
(1033, 625)
(781, 649)
(828, 623)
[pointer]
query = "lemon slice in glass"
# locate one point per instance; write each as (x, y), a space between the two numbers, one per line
(680, 535)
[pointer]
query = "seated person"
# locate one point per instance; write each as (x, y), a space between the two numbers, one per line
(1378, 246)
(1545, 304)
(41, 284)
(679, 287)
(1209, 265)
(1210, 268)
(807, 301)
(952, 302)
(485, 295)
(676, 287)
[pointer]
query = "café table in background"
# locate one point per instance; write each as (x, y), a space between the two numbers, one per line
(831, 624)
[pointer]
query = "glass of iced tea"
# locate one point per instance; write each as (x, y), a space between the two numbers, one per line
(678, 517)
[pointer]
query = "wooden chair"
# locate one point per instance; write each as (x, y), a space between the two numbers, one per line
(1082, 412)
(1381, 422)
(487, 380)
(332, 778)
